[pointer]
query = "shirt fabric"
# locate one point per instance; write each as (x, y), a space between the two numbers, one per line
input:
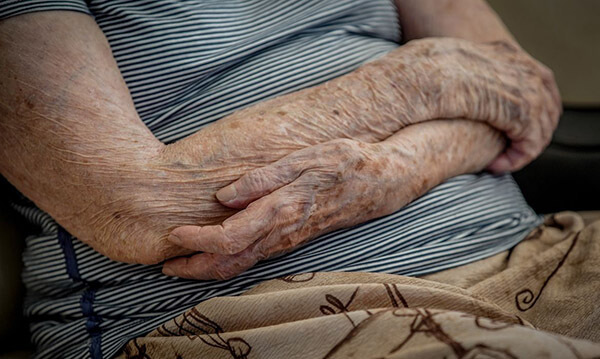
(189, 63)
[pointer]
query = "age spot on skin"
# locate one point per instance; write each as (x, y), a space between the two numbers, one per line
(360, 165)
(336, 112)
(378, 169)
(30, 105)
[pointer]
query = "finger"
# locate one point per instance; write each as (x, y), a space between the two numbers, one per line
(508, 113)
(548, 116)
(545, 131)
(500, 164)
(539, 130)
(554, 92)
(514, 158)
(555, 111)
(260, 182)
(506, 162)
(208, 266)
(233, 235)
(281, 210)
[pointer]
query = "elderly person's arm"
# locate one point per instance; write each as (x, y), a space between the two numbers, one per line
(73, 143)
(336, 185)
(70, 137)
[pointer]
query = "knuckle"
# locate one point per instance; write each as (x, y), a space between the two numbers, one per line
(266, 178)
(344, 144)
(253, 180)
(546, 72)
(520, 118)
(537, 84)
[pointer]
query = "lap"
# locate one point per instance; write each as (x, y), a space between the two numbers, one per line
(538, 298)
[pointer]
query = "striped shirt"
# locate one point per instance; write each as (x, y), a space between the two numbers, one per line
(189, 63)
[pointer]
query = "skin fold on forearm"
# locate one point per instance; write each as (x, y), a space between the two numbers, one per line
(74, 144)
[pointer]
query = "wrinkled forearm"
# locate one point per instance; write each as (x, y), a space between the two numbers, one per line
(428, 153)
(369, 104)
(74, 144)
(71, 138)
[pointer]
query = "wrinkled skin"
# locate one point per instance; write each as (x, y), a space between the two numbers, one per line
(73, 143)
(524, 103)
(179, 183)
(498, 83)
(321, 188)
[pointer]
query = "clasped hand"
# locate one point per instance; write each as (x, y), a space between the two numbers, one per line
(310, 192)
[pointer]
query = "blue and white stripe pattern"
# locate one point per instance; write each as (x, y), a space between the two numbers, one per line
(188, 63)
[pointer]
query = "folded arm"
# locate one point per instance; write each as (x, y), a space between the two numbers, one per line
(340, 184)
(73, 143)
(329, 186)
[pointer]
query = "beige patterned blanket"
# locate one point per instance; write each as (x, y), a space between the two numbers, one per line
(539, 300)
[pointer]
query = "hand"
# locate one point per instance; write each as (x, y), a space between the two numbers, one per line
(307, 193)
(325, 187)
(493, 82)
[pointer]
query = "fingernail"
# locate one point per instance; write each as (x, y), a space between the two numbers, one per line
(174, 239)
(227, 194)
